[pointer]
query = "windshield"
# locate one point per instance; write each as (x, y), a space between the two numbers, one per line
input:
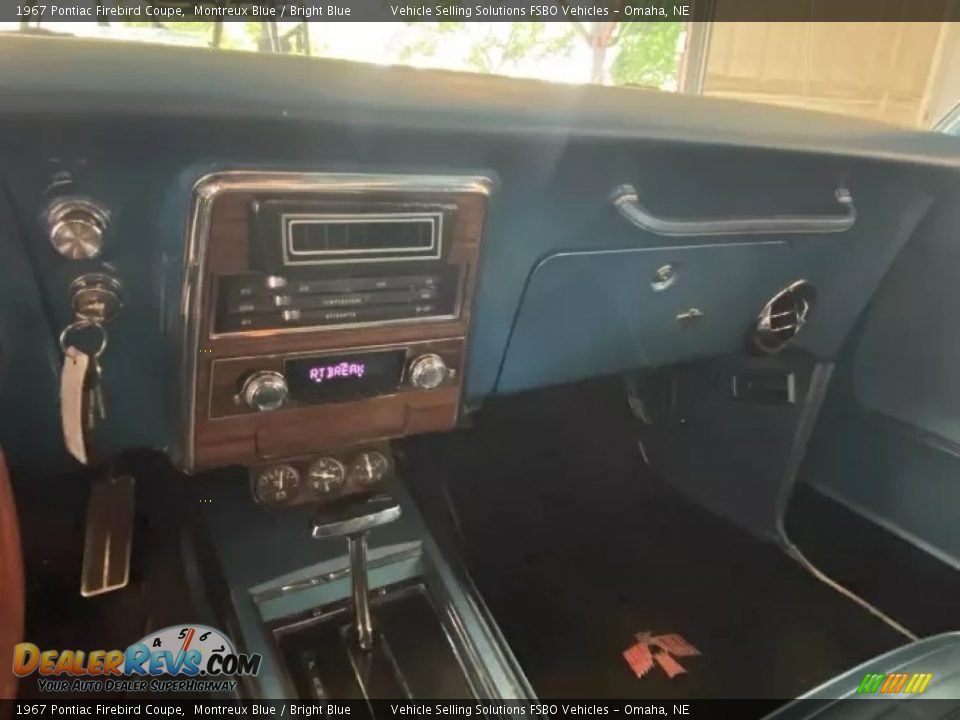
(825, 66)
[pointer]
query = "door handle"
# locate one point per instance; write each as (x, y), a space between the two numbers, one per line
(627, 203)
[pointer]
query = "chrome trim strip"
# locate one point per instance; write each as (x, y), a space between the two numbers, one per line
(210, 187)
(269, 332)
(627, 203)
(271, 593)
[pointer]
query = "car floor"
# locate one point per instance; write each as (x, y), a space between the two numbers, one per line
(576, 547)
(913, 587)
(52, 519)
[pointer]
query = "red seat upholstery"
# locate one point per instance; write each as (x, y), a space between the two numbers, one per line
(11, 583)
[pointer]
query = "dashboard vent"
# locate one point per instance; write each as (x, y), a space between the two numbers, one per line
(311, 239)
(784, 315)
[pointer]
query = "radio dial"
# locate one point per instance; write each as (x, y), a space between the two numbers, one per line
(428, 372)
(265, 390)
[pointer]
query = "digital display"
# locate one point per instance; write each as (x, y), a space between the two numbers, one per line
(349, 376)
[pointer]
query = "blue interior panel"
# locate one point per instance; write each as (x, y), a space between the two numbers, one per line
(29, 356)
(888, 441)
(587, 313)
(906, 362)
(594, 313)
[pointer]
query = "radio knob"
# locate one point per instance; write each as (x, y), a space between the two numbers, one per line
(265, 390)
(428, 371)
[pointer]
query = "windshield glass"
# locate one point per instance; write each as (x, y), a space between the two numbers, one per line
(904, 73)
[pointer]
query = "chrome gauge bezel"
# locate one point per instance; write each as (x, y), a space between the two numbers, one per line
(341, 474)
(293, 493)
(353, 478)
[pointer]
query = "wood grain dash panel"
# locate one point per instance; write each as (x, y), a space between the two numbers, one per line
(228, 432)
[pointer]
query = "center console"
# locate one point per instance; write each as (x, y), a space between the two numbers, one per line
(324, 310)
(326, 314)
(297, 583)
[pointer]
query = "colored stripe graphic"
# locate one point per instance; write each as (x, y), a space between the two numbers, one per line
(870, 683)
(894, 683)
(922, 680)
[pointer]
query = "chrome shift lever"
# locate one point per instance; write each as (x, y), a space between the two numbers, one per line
(354, 517)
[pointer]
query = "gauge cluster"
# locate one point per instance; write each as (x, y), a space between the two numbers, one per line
(320, 479)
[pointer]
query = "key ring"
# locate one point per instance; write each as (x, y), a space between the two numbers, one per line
(81, 325)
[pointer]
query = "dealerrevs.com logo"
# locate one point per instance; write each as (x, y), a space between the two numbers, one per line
(183, 658)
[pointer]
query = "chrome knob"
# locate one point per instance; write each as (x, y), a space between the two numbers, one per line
(265, 390)
(76, 227)
(428, 371)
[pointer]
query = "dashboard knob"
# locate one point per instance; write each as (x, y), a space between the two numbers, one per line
(428, 371)
(76, 227)
(265, 390)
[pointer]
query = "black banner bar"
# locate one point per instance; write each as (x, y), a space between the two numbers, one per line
(444, 709)
(173, 11)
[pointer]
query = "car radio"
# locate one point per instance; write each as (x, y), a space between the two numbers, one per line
(271, 382)
(325, 310)
(333, 264)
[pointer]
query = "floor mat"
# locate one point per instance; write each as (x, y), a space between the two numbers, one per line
(913, 587)
(576, 548)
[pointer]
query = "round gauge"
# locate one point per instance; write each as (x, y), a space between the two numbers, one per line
(327, 476)
(369, 467)
(277, 484)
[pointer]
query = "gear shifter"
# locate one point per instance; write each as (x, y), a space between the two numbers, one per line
(354, 517)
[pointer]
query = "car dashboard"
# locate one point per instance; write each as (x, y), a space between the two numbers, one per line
(309, 264)
(530, 275)
(311, 301)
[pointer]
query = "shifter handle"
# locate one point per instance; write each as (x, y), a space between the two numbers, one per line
(354, 515)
